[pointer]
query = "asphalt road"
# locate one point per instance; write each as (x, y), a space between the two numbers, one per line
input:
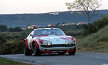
(81, 58)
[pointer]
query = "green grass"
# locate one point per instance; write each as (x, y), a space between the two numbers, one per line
(10, 62)
(95, 42)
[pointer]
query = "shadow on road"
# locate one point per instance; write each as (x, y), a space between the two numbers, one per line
(56, 54)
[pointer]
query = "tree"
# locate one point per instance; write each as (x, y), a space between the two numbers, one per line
(88, 6)
(11, 29)
(58, 24)
(16, 29)
(3, 28)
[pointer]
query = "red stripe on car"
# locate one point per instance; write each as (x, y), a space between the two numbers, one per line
(68, 51)
(47, 52)
(36, 44)
(26, 43)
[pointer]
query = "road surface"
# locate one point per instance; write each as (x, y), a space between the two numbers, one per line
(81, 58)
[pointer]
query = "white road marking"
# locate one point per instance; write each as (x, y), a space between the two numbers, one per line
(104, 64)
(98, 57)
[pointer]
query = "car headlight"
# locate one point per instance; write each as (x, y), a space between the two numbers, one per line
(47, 42)
(69, 41)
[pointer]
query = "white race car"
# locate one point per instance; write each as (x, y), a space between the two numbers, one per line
(49, 40)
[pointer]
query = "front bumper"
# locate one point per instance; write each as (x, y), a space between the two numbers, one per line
(54, 49)
(57, 48)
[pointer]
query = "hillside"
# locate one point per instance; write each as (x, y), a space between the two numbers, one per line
(46, 18)
(95, 42)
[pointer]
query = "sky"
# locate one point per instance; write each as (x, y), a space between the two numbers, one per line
(37, 6)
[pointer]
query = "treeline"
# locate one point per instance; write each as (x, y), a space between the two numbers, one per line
(4, 28)
(94, 27)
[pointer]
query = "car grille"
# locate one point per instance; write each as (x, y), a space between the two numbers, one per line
(58, 45)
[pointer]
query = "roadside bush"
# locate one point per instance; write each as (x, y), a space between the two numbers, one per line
(12, 42)
(12, 48)
(94, 27)
(97, 41)
(2, 43)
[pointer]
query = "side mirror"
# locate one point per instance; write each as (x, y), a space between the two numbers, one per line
(32, 35)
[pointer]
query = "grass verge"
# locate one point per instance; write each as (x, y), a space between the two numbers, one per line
(4, 61)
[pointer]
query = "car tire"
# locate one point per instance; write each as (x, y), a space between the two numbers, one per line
(27, 51)
(72, 53)
(36, 51)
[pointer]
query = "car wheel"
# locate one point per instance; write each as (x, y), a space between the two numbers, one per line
(26, 51)
(72, 53)
(61, 53)
(36, 51)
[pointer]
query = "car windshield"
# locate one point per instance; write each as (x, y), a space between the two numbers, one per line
(48, 32)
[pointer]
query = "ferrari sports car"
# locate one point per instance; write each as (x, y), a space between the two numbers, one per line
(49, 40)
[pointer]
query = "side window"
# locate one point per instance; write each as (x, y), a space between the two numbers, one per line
(35, 33)
(30, 34)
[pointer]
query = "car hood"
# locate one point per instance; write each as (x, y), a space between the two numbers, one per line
(56, 39)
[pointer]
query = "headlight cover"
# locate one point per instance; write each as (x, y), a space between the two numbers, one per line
(69, 41)
(45, 42)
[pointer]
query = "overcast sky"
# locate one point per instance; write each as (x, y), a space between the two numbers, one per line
(37, 6)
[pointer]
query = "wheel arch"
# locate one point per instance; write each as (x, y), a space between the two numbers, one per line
(36, 43)
(26, 43)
